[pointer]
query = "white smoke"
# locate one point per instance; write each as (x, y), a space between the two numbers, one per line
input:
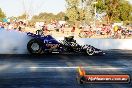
(13, 42)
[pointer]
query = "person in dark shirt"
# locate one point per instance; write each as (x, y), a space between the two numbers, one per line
(73, 30)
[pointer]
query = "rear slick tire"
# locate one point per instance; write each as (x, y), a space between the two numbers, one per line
(34, 47)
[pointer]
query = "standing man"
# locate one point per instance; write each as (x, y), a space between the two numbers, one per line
(73, 30)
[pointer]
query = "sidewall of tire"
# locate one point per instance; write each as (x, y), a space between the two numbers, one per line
(31, 50)
(92, 49)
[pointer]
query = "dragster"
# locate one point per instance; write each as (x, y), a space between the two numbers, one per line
(40, 44)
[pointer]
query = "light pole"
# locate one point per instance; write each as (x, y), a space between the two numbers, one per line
(95, 13)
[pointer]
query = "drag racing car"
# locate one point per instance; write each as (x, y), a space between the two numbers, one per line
(40, 44)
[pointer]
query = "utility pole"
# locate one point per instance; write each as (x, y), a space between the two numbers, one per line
(95, 13)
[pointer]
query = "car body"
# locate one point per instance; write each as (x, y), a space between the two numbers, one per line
(47, 44)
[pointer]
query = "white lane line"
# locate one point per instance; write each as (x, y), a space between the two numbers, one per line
(75, 67)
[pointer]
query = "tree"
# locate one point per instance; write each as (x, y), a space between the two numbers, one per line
(125, 11)
(23, 16)
(48, 17)
(73, 10)
(2, 14)
(116, 10)
(60, 16)
(72, 14)
(88, 10)
(79, 10)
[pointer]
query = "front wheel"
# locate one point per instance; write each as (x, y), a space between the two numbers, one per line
(34, 46)
(90, 51)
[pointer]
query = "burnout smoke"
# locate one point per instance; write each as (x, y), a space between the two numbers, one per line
(13, 42)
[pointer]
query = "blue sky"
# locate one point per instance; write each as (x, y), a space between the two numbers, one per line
(17, 7)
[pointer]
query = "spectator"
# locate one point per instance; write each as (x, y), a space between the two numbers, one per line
(73, 30)
(119, 33)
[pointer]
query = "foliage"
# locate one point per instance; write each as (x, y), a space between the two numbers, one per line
(23, 16)
(48, 17)
(79, 10)
(88, 10)
(2, 14)
(60, 16)
(117, 10)
(72, 14)
(72, 10)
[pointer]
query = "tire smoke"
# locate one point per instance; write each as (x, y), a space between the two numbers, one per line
(13, 42)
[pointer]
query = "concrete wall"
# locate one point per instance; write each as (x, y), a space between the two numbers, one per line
(106, 43)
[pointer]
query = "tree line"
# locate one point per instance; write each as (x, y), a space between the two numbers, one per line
(48, 17)
(83, 11)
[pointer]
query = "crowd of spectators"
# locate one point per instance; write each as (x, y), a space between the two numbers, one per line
(107, 31)
(20, 25)
(87, 31)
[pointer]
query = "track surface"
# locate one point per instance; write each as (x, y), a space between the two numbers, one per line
(59, 71)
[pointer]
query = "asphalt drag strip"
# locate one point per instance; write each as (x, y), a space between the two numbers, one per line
(57, 71)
